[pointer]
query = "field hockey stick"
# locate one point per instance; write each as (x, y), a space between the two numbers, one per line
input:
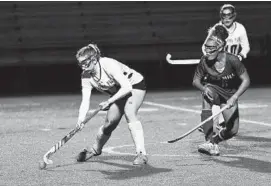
(181, 61)
(199, 125)
(66, 138)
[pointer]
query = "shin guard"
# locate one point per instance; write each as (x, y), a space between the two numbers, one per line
(138, 136)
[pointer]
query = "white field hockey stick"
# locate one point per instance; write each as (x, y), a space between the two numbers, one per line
(67, 138)
(199, 125)
(181, 61)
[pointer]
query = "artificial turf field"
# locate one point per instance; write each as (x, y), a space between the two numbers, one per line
(30, 126)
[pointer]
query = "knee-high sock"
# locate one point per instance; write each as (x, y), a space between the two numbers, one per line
(138, 136)
(219, 118)
(208, 126)
(101, 139)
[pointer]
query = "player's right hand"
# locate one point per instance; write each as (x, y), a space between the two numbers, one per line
(208, 93)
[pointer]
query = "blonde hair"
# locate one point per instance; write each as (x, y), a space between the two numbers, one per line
(90, 49)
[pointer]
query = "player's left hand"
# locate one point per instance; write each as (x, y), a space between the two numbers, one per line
(231, 102)
(104, 105)
(80, 124)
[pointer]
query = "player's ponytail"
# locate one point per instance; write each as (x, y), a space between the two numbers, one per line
(218, 35)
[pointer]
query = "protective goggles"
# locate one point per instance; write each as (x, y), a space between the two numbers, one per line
(86, 63)
(210, 49)
(227, 16)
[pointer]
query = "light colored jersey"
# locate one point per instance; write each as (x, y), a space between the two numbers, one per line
(107, 83)
(104, 81)
(237, 41)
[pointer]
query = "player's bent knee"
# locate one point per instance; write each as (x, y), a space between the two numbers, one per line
(212, 98)
(109, 127)
(227, 134)
(234, 132)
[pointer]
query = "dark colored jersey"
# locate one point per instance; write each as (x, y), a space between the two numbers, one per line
(227, 79)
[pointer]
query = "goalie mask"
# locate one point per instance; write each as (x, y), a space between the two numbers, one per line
(88, 56)
(227, 15)
(215, 42)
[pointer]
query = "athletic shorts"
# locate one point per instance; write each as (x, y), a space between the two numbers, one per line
(140, 86)
(223, 94)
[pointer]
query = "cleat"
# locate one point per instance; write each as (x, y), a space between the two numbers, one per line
(86, 155)
(140, 159)
(215, 150)
(209, 148)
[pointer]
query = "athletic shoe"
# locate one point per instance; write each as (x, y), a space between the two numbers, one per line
(86, 155)
(209, 148)
(215, 150)
(140, 159)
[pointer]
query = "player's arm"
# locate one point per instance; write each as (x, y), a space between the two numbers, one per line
(125, 85)
(86, 94)
(197, 81)
(198, 75)
(244, 44)
(245, 81)
(244, 85)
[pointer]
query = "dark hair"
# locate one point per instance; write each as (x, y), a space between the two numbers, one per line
(221, 32)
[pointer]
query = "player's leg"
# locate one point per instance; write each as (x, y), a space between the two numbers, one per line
(112, 120)
(131, 107)
(218, 120)
(206, 113)
(208, 128)
(231, 128)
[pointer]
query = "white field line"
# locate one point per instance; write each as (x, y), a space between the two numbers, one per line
(243, 106)
(198, 111)
(140, 110)
(114, 150)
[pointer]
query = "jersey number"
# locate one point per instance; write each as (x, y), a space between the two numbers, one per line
(233, 49)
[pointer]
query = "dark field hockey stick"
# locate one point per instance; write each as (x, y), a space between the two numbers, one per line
(199, 125)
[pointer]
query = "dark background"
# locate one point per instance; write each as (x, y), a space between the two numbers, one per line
(39, 41)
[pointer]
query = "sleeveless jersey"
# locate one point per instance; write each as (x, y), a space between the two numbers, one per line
(107, 83)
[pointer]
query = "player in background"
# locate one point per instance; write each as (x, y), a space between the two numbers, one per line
(126, 89)
(237, 42)
(222, 79)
